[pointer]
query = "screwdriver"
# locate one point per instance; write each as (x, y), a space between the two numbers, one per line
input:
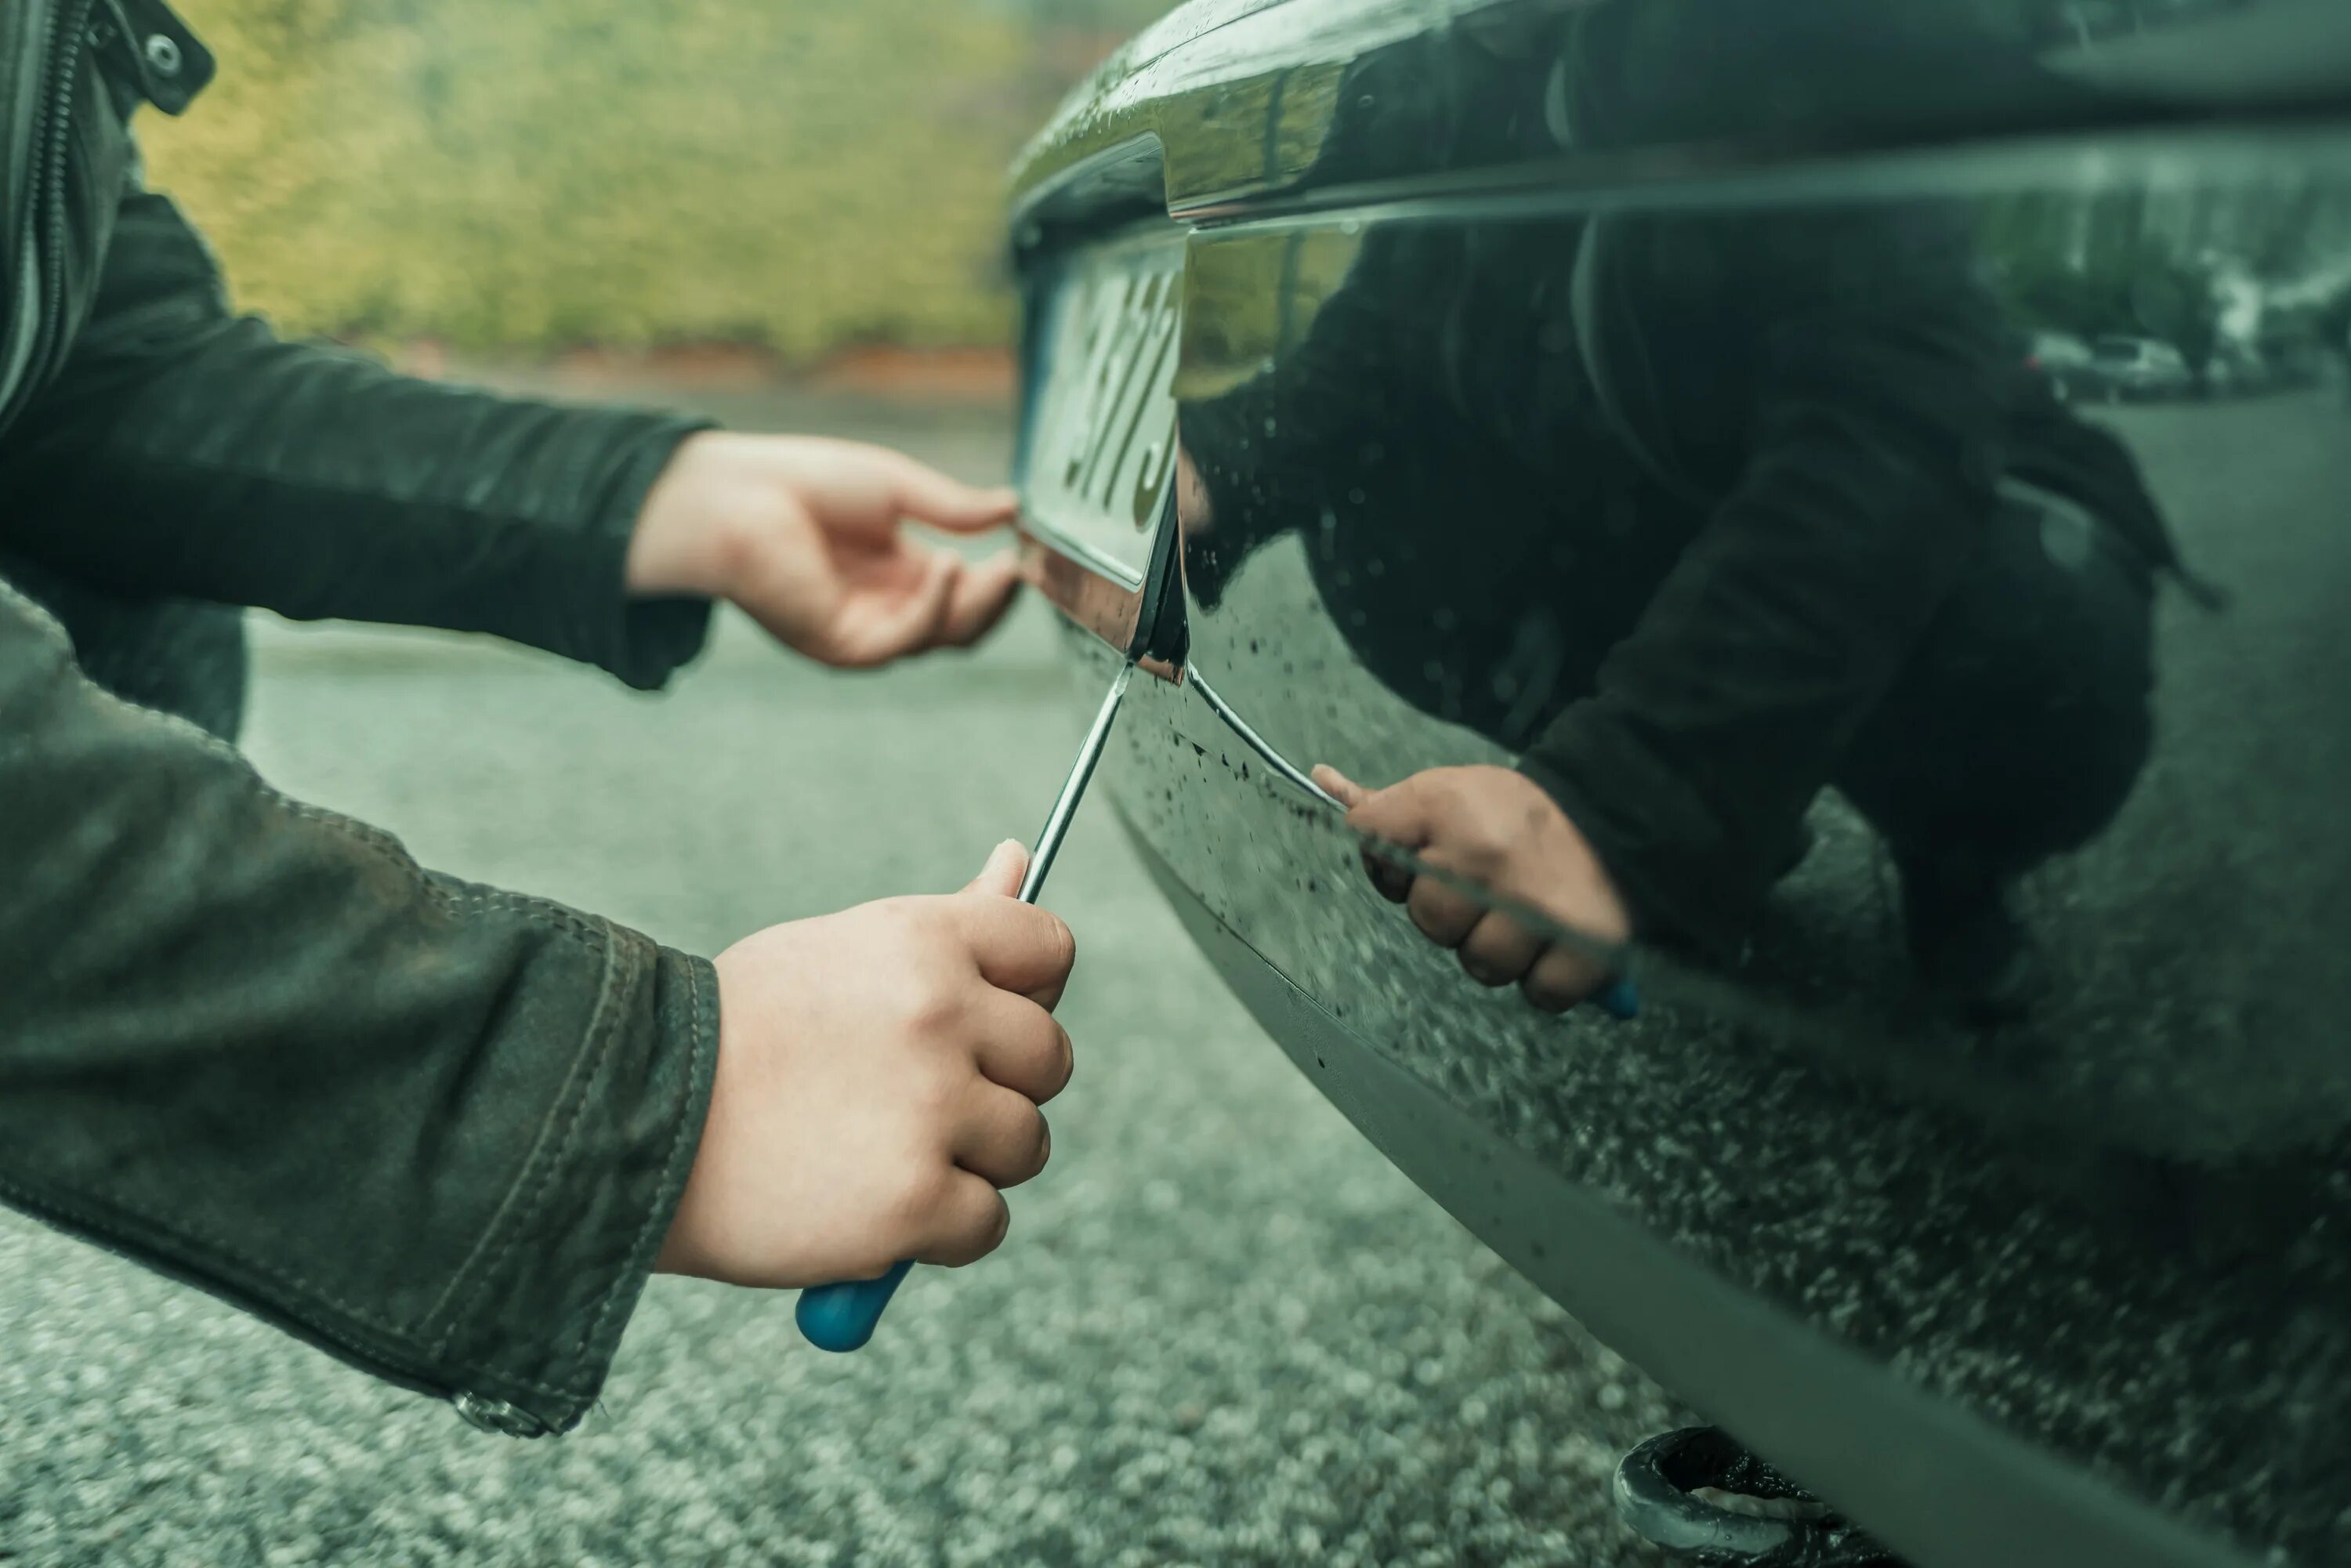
(842, 1317)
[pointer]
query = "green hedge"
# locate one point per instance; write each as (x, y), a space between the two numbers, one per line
(535, 174)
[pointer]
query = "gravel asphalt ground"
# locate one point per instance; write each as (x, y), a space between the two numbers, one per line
(1224, 1330)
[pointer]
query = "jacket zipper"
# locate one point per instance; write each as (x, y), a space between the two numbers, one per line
(53, 141)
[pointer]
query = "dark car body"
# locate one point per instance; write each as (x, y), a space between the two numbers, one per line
(1309, 282)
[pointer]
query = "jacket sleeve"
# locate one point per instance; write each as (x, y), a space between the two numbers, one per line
(183, 450)
(1873, 432)
(433, 1129)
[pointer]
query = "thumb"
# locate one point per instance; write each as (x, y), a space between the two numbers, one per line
(1008, 863)
(1405, 814)
(1344, 790)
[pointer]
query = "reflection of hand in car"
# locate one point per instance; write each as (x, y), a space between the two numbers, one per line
(1499, 829)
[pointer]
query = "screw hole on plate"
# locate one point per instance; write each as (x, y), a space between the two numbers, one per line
(163, 54)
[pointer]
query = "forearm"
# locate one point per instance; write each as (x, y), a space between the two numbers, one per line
(186, 451)
(433, 1128)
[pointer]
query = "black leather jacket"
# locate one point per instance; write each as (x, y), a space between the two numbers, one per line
(433, 1128)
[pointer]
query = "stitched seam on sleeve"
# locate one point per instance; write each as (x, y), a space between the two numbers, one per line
(96, 1217)
(395, 1349)
(594, 1332)
(550, 1152)
(80, 1208)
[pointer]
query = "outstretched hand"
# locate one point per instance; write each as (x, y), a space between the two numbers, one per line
(806, 534)
(1495, 828)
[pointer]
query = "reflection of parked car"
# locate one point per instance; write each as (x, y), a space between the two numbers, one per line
(2064, 359)
(2123, 367)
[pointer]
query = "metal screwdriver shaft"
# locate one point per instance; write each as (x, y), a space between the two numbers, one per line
(1074, 789)
(842, 1317)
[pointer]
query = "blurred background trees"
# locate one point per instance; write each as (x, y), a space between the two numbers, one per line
(799, 175)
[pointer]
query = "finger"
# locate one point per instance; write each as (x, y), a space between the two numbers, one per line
(964, 1222)
(982, 594)
(1403, 813)
(909, 624)
(1444, 918)
(1021, 1048)
(920, 492)
(1008, 863)
(1394, 883)
(1562, 978)
(1018, 946)
(1341, 788)
(1499, 950)
(1002, 1139)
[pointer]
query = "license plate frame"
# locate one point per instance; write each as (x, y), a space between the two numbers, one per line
(1097, 459)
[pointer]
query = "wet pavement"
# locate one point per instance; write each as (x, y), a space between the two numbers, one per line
(1223, 1331)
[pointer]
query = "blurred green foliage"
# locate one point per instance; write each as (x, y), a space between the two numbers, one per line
(530, 173)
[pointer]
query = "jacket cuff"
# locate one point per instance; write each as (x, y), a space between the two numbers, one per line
(527, 1349)
(642, 641)
(1679, 882)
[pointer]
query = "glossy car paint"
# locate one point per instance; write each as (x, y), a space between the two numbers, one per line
(2070, 1291)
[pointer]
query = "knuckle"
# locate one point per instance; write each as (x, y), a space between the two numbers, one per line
(988, 1238)
(981, 1235)
(1063, 947)
(934, 1093)
(1027, 1150)
(918, 922)
(1483, 854)
(1037, 1058)
(740, 541)
(1436, 910)
(1486, 969)
(921, 1192)
(931, 1008)
(1557, 981)
(1551, 999)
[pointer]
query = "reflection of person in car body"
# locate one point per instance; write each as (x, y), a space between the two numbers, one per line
(1700, 512)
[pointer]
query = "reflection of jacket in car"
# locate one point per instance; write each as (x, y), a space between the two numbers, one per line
(428, 1126)
(1664, 500)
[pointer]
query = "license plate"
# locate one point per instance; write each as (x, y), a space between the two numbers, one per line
(1101, 443)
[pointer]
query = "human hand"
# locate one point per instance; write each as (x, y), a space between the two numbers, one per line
(804, 533)
(1496, 828)
(878, 1075)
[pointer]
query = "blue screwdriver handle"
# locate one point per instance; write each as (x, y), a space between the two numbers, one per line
(840, 1317)
(1620, 999)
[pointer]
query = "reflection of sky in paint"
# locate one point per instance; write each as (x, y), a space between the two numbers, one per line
(2206, 54)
